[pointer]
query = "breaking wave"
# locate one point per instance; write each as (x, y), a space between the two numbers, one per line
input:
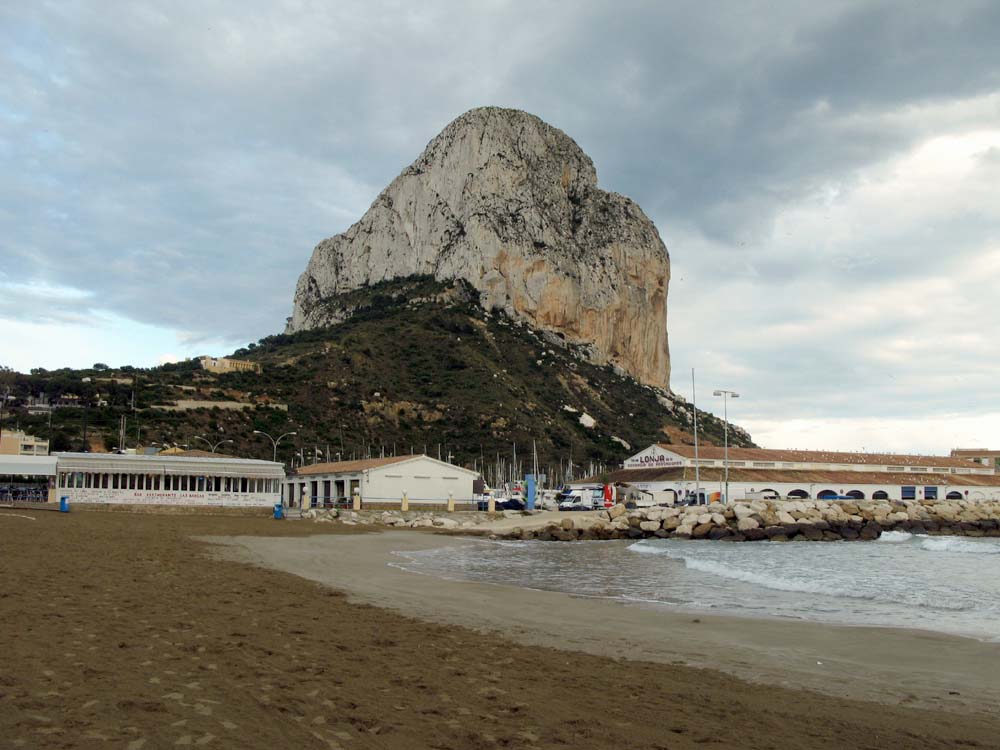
(959, 545)
(895, 537)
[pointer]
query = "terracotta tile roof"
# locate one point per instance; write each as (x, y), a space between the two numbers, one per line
(793, 476)
(824, 457)
(343, 467)
(974, 453)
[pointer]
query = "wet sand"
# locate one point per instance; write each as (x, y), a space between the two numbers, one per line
(121, 630)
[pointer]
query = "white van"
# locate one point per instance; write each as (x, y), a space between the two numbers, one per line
(581, 499)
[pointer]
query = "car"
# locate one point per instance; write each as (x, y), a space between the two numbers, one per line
(512, 503)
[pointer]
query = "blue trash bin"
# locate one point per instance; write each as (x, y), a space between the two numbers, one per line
(64, 504)
(279, 511)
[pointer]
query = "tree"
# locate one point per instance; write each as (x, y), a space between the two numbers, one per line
(100, 366)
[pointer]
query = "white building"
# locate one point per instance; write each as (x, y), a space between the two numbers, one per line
(381, 482)
(202, 480)
(668, 472)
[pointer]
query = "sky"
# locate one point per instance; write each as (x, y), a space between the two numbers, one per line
(824, 176)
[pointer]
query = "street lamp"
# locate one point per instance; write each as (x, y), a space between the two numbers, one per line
(209, 442)
(273, 441)
(726, 395)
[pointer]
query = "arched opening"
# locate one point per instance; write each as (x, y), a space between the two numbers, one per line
(953, 495)
(826, 494)
(856, 494)
(880, 495)
(799, 494)
(770, 494)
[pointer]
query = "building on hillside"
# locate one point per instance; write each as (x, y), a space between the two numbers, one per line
(667, 473)
(17, 443)
(224, 364)
(26, 478)
(381, 483)
(981, 456)
(192, 479)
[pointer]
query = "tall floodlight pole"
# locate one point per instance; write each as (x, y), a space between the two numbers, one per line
(694, 412)
(273, 441)
(208, 442)
(726, 395)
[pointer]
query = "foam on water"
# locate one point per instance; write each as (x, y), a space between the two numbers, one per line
(958, 545)
(895, 537)
(950, 584)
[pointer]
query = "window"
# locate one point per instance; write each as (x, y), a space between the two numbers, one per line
(930, 493)
(894, 468)
(918, 468)
(763, 464)
(909, 493)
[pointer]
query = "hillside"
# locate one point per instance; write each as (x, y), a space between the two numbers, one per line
(418, 365)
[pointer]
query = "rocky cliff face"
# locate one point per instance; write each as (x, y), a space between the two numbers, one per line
(511, 205)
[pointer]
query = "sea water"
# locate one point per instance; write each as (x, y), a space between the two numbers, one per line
(942, 583)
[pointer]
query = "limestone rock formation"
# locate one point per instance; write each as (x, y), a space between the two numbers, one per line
(510, 205)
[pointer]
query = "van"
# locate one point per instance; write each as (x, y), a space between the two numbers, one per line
(581, 499)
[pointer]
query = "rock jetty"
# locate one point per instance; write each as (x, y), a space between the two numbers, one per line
(781, 521)
(750, 521)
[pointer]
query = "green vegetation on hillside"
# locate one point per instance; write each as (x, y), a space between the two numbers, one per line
(418, 366)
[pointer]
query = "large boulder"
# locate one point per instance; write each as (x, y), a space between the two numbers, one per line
(617, 510)
(747, 523)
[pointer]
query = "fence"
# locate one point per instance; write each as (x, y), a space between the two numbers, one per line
(389, 503)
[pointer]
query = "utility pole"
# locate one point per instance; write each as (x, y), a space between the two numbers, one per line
(725, 416)
(694, 413)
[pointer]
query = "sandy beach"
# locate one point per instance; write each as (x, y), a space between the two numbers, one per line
(124, 630)
(879, 664)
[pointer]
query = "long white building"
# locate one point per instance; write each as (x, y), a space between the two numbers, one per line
(203, 480)
(668, 471)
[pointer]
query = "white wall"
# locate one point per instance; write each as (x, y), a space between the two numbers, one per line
(737, 490)
(423, 479)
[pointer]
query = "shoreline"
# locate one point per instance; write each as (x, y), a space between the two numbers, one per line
(906, 667)
(664, 607)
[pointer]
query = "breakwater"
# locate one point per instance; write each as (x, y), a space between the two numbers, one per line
(741, 521)
(788, 520)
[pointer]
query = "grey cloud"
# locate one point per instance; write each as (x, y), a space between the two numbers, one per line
(179, 164)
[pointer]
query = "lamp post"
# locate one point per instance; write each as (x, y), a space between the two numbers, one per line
(726, 395)
(209, 442)
(273, 441)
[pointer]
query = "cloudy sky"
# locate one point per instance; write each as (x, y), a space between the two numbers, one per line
(825, 175)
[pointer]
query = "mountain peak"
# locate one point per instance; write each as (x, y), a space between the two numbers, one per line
(510, 204)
